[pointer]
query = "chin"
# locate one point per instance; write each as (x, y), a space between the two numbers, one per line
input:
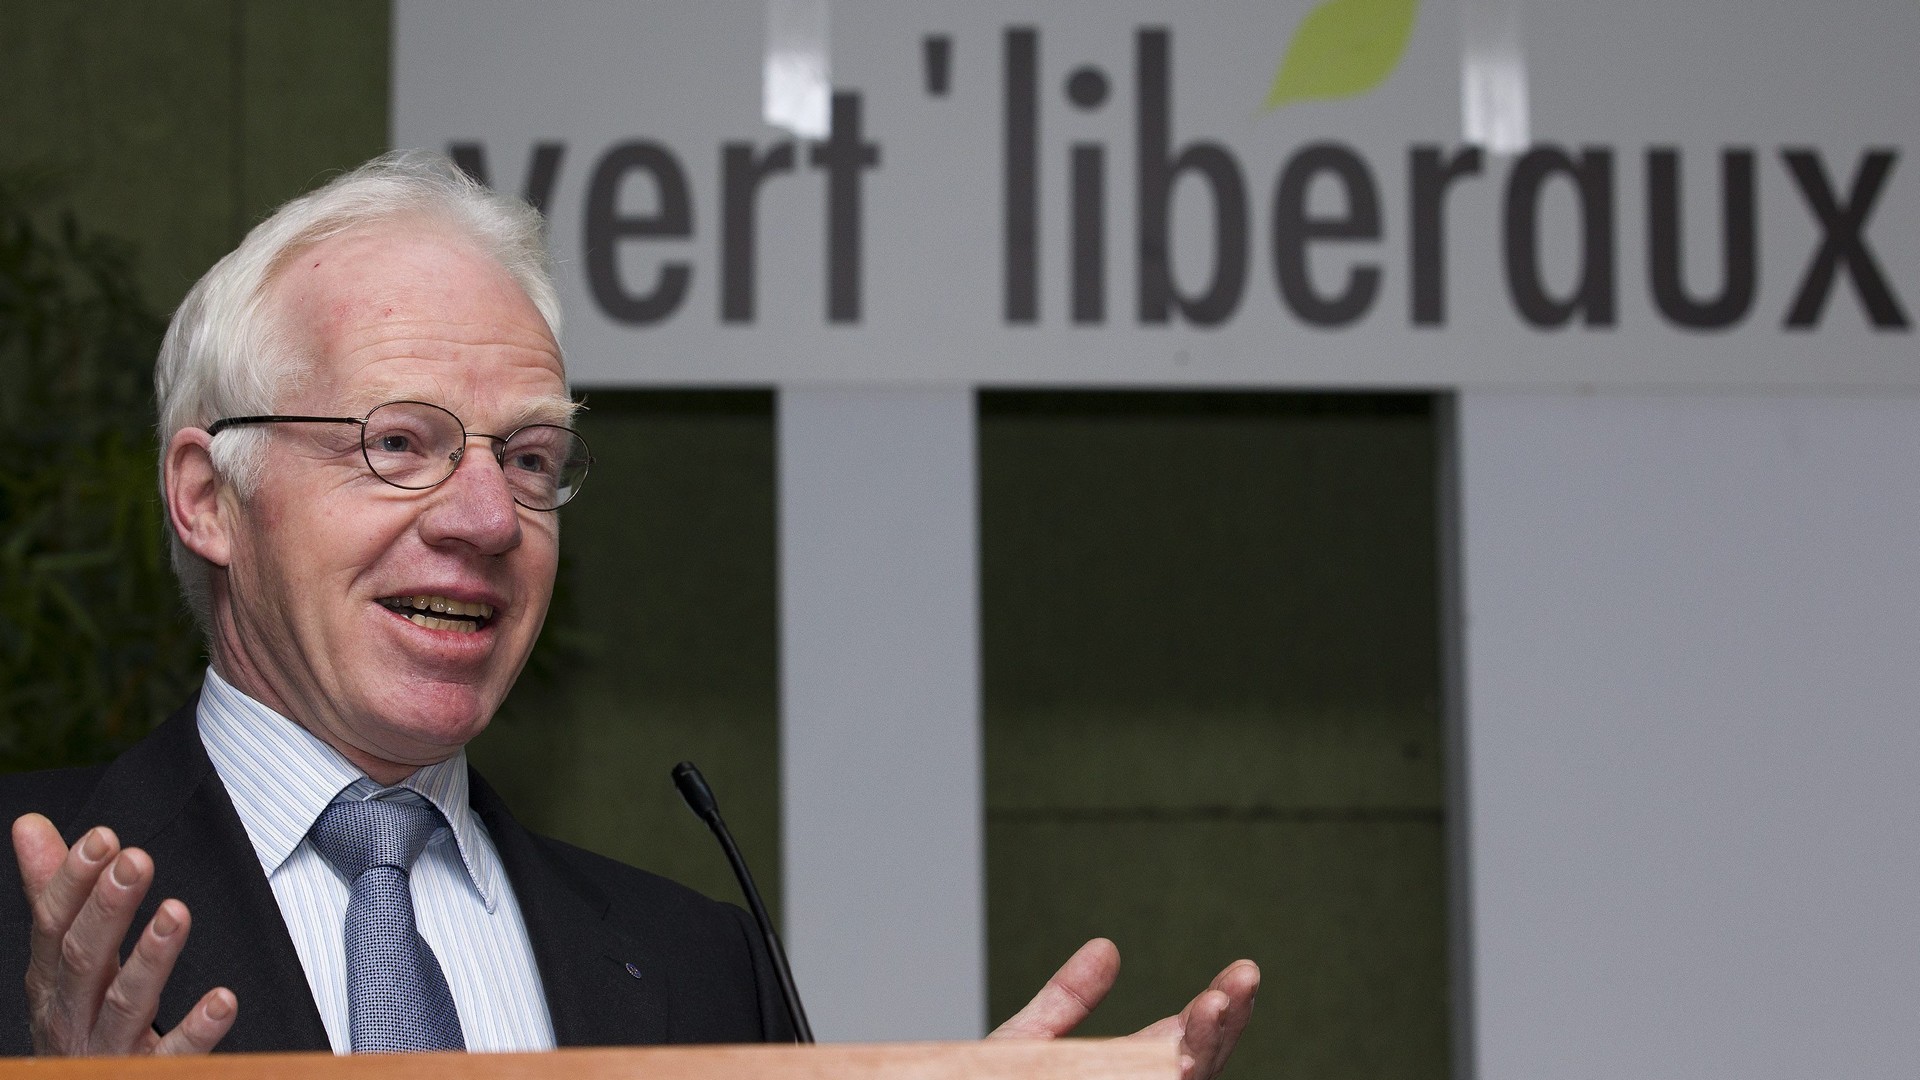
(447, 718)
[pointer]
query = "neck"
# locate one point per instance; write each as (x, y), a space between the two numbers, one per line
(244, 678)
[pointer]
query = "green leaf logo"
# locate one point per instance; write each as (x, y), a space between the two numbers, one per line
(1343, 48)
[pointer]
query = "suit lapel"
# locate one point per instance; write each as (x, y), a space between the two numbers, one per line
(164, 796)
(587, 963)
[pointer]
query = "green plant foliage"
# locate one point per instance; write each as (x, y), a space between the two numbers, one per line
(1343, 48)
(95, 643)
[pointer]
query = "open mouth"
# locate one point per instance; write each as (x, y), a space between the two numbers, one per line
(440, 613)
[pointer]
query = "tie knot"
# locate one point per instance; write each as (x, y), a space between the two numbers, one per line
(356, 836)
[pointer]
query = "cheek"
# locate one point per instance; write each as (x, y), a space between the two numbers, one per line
(541, 542)
(536, 571)
(330, 545)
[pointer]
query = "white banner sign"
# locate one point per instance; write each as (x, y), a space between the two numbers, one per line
(1284, 193)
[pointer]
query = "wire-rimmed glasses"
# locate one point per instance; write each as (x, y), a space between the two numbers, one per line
(416, 445)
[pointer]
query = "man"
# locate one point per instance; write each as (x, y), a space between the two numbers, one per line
(370, 587)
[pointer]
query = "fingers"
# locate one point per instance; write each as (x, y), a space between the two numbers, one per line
(81, 998)
(1211, 1024)
(72, 881)
(90, 951)
(58, 883)
(56, 897)
(1199, 1026)
(1207, 1029)
(38, 849)
(204, 1025)
(1069, 996)
(126, 1012)
(124, 1023)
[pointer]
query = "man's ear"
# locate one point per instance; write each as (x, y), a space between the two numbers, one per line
(194, 504)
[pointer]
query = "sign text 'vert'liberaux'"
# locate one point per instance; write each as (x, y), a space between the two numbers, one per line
(1839, 197)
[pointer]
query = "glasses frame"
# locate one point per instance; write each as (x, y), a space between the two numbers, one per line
(498, 442)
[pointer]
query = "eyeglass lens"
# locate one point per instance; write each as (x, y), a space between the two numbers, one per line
(411, 444)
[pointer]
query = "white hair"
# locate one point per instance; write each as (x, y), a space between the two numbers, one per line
(225, 352)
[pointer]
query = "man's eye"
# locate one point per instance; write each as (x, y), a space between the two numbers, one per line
(530, 461)
(397, 442)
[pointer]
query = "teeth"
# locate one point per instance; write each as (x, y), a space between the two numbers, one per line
(440, 605)
(456, 625)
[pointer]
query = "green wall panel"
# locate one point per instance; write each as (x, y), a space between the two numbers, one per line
(1340, 915)
(1210, 640)
(314, 83)
(175, 125)
(130, 107)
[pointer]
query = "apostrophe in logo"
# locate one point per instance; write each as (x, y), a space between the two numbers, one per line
(1343, 48)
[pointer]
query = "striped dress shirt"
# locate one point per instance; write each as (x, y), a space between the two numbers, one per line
(281, 777)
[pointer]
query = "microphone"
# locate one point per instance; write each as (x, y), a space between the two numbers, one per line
(693, 788)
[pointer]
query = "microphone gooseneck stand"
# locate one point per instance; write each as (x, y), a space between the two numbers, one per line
(693, 788)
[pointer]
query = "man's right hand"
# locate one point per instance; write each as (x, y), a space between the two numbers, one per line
(82, 999)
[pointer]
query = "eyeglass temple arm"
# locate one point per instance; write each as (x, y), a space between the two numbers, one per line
(224, 423)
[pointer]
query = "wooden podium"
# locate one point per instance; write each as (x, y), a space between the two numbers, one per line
(1008, 1059)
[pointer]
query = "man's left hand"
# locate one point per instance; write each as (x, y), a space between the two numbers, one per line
(1206, 1029)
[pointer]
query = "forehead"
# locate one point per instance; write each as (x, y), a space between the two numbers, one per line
(412, 310)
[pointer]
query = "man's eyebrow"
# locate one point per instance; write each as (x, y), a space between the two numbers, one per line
(555, 409)
(552, 410)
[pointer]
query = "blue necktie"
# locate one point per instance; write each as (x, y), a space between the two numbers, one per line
(397, 996)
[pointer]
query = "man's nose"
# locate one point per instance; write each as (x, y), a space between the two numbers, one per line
(474, 506)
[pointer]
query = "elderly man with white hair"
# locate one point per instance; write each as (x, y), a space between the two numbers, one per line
(370, 587)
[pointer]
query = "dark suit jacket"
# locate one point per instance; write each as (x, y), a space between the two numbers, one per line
(703, 976)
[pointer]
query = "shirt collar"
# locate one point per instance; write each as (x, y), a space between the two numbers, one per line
(281, 777)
